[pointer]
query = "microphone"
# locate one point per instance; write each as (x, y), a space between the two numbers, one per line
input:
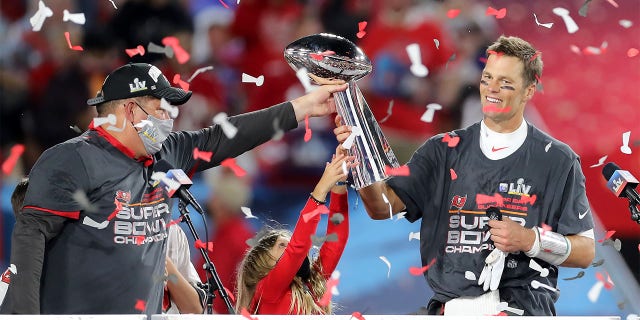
(176, 183)
(621, 182)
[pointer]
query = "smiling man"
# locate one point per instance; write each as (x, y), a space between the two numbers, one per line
(530, 184)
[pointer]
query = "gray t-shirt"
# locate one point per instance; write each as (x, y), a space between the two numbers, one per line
(541, 182)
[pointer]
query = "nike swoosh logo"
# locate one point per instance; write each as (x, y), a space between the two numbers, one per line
(494, 149)
(581, 215)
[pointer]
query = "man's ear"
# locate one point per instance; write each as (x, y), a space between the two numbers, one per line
(530, 91)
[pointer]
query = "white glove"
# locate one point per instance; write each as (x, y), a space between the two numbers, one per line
(492, 271)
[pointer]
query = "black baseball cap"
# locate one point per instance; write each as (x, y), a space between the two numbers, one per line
(136, 80)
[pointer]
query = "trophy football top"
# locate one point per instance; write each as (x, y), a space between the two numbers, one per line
(328, 56)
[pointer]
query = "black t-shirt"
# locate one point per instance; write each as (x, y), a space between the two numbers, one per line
(541, 182)
(109, 255)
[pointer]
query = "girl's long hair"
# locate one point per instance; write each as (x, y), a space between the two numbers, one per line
(258, 262)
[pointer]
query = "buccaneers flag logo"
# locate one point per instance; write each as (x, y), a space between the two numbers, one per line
(458, 201)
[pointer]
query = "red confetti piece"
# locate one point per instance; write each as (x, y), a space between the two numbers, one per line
(451, 141)
(632, 52)
(454, 175)
(244, 311)
(608, 284)
(496, 199)
(172, 222)
(183, 84)
(483, 60)
(231, 164)
(361, 33)
(399, 171)
(495, 108)
(502, 314)
(117, 209)
(613, 3)
(419, 271)
(141, 305)
(319, 210)
(358, 315)
(181, 55)
(139, 240)
(499, 54)
(529, 199)
(77, 48)
(201, 245)
(326, 297)
(321, 55)
(137, 50)
(545, 227)
(10, 163)
(307, 132)
(538, 78)
(224, 4)
(453, 13)
(498, 13)
(608, 235)
(534, 57)
(203, 155)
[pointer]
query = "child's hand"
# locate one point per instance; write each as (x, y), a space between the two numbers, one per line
(333, 173)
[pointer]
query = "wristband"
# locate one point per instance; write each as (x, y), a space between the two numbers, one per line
(318, 202)
(550, 246)
(341, 183)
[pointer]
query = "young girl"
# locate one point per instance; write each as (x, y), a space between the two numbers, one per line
(276, 275)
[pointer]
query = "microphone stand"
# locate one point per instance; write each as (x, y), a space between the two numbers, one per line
(635, 213)
(213, 280)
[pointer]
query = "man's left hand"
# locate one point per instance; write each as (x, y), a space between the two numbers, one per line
(510, 236)
(318, 102)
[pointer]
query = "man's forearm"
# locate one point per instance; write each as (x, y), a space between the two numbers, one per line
(582, 252)
(375, 203)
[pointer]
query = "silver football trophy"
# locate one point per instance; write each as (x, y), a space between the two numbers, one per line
(326, 57)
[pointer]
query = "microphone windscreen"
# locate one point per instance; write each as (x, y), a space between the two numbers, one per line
(609, 169)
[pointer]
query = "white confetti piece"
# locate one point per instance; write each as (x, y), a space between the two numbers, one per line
(535, 266)
(259, 81)
(172, 110)
(77, 18)
(414, 235)
(546, 25)
(437, 42)
(625, 23)
(546, 148)
(13, 269)
(81, 198)
(470, 275)
(166, 50)
(143, 123)
(504, 306)
(386, 261)
(199, 71)
(75, 128)
(114, 4)
(344, 168)
(355, 131)
(633, 316)
(304, 79)
(594, 292)
(389, 111)
(38, 18)
(247, 213)
(92, 223)
(110, 119)
(384, 197)
(536, 284)
(227, 127)
(600, 162)
(119, 129)
(400, 215)
(427, 116)
(625, 143)
(278, 132)
(417, 68)
(572, 26)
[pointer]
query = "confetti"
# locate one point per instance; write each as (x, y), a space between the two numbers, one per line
(141, 305)
(496, 109)
(571, 25)
(172, 222)
(114, 128)
(247, 213)
(633, 316)
(77, 18)
(224, 4)
(247, 315)
(496, 199)
(317, 241)
(528, 199)
(470, 275)
(400, 215)
(594, 51)
(632, 52)
(332, 289)
(278, 133)
(76, 48)
(38, 18)
(584, 8)
(594, 292)
(625, 23)
(137, 50)
(499, 14)
(114, 4)
(202, 155)
(181, 55)
(317, 211)
(355, 131)
(600, 162)
(183, 84)
(437, 43)
(386, 261)
(417, 68)
(358, 315)
(537, 284)
(116, 210)
(427, 116)
(199, 71)
(228, 128)
(81, 198)
(251, 79)
(546, 25)
(386, 200)
(578, 276)
(454, 175)
(14, 155)
(613, 3)
(94, 224)
(498, 54)
(419, 271)
(597, 263)
(607, 235)
(625, 143)
(575, 49)
(320, 56)
(547, 147)
(535, 266)
(304, 79)
(451, 141)
(345, 171)
(139, 240)
(307, 130)
(337, 218)
(504, 306)
(452, 13)
(172, 110)
(166, 50)
(231, 164)
(616, 244)
(201, 245)
(361, 33)
(451, 58)
(389, 110)
(414, 235)
(534, 57)
(398, 171)
(75, 129)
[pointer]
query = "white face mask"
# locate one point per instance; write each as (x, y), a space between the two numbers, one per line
(154, 132)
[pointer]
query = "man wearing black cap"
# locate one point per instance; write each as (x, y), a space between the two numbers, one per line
(91, 236)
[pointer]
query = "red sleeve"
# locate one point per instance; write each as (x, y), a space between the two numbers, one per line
(331, 251)
(272, 287)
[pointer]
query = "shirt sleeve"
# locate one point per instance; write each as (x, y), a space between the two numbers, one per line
(331, 251)
(276, 283)
(254, 128)
(574, 214)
